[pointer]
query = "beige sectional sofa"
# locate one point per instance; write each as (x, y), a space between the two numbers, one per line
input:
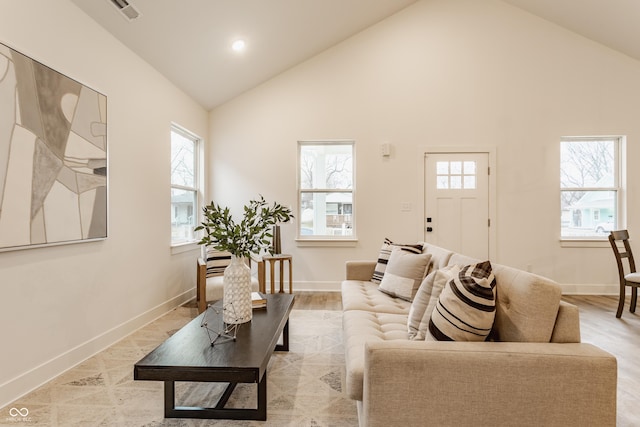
(534, 371)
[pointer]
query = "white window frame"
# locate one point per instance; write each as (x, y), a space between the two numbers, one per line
(326, 240)
(196, 189)
(619, 188)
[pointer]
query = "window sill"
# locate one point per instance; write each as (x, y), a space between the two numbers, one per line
(585, 243)
(178, 248)
(320, 242)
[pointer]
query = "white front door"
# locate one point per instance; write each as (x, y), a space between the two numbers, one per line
(457, 202)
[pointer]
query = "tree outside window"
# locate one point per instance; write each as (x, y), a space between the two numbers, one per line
(590, 187)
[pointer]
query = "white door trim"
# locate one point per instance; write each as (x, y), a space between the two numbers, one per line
(491, 151)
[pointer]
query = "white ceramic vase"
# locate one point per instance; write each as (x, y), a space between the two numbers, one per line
(236, 305)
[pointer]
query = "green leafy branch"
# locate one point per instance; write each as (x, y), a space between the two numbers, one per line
(250, 236)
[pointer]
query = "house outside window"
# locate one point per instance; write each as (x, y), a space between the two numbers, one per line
(184, 185)
(590, 187)
(326, 190)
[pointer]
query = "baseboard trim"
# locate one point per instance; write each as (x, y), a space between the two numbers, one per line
(312, 286)
(590, 289)
(28, 381)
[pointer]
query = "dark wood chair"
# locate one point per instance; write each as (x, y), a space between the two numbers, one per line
(632, 278)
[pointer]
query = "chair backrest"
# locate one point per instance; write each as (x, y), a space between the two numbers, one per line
(622, 252)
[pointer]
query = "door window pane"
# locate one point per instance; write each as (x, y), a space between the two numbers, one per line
(442, 182)
(469, 168)
(442, 168)
(470, 182)
(456, 175)
(455, 168)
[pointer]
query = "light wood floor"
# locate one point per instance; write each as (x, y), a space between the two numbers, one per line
(599, 326)
(318, 301)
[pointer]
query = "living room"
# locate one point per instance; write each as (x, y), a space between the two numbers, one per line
(460, 74)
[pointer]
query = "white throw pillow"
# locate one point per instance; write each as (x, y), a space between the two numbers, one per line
(385, 252)
(466, 308)
(425, 300)
(404, 273)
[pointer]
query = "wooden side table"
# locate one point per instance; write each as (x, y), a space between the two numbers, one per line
(280, 259)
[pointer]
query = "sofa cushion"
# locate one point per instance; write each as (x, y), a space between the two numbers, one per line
(466, 308)
(385, 253)
(426, 299)
(360, 327)
(526, 306)
(404, 273)
(361, 295)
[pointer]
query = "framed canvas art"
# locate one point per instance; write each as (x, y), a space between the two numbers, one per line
(53, 156)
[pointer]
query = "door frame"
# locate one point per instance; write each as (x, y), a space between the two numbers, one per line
(491, 151)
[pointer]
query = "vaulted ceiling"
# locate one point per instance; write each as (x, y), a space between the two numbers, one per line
(189, 41)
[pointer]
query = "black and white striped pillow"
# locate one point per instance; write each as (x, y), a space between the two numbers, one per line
(385, 253)
(466, 308)
(217, 261)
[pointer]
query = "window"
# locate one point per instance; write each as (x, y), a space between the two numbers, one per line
(456, 175)
(326, 190)
(590, 181)
(184, 185)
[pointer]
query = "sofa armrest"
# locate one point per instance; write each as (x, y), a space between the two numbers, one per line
(488, 383)
(360, 270)
(567, 327)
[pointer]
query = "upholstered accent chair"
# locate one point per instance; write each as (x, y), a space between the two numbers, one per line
(210, 276)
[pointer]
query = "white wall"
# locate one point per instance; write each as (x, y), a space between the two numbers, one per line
(442, 72)
(59, 305)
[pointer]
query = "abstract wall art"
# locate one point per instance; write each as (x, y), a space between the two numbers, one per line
(53, 156)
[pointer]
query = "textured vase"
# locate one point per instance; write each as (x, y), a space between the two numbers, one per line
(236, 305)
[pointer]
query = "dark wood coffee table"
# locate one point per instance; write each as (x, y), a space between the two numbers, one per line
(189, 356)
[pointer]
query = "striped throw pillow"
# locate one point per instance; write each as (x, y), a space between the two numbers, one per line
(385, 253)
(466, 308)
(425, 300)
(217, 261)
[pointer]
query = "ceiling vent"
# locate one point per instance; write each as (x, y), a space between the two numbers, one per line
(126, 9)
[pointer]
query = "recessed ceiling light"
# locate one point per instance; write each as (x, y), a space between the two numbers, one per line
(239, 45)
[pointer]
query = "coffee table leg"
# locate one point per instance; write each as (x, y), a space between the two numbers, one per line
(261, 412)
(285, 339)
(169, 398)
(219, 412)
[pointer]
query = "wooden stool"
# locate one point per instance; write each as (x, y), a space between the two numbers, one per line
(280, 258)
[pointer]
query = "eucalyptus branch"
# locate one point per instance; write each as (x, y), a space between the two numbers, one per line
(250, 236)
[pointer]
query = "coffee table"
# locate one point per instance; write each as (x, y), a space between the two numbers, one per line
(189, 356)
